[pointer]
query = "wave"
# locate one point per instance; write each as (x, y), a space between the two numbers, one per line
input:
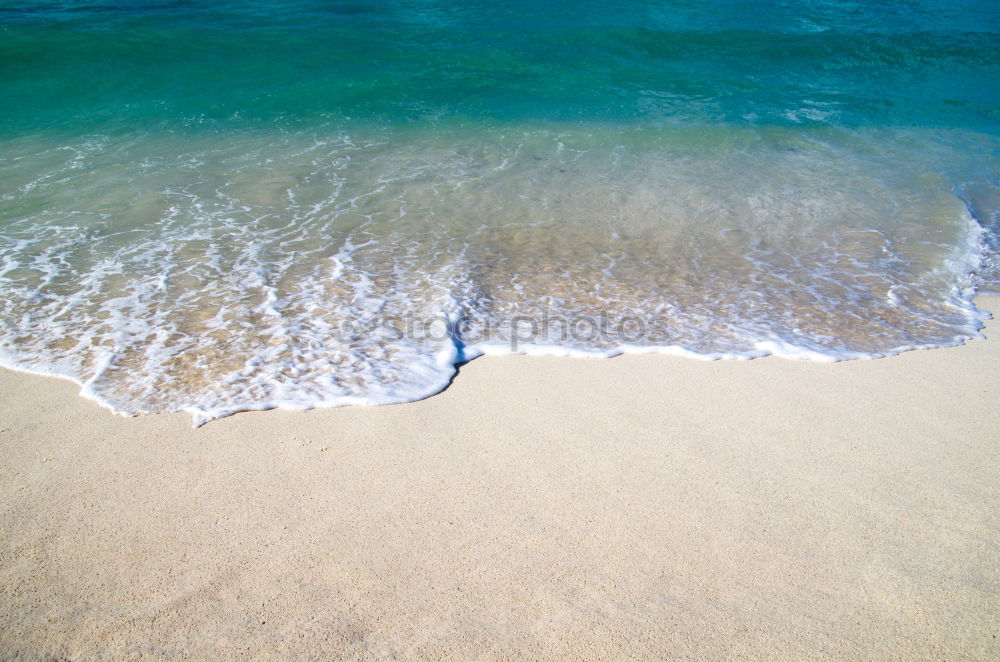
(221, 273)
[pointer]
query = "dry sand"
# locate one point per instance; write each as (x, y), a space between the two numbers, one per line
(637, 508)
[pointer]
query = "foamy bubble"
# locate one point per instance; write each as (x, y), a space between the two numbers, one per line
(219, 274)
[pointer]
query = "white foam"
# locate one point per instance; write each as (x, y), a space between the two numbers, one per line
(271, 274)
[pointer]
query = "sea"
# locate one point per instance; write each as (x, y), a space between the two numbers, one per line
(218, 206)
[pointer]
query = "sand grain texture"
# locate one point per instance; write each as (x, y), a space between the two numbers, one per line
(636, 508)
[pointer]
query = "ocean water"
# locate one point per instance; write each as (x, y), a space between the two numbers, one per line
(232, 205)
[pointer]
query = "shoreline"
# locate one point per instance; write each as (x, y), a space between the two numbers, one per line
(462, 354)
(540, 507)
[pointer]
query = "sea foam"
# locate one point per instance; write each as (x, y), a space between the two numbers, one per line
(324, 268)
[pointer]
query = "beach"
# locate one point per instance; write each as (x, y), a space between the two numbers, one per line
(641, 507)
(499, 331)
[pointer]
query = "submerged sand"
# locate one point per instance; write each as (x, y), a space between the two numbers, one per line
(540, 508)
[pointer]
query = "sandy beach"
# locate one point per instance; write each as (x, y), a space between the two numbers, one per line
(643, 507)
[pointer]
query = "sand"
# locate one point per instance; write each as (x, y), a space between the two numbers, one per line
(644, 507)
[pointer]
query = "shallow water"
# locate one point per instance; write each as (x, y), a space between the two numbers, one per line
(220, 207)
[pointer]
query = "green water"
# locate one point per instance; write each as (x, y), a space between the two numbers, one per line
(227, 65)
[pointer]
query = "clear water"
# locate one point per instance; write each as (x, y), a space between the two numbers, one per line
(223, 206)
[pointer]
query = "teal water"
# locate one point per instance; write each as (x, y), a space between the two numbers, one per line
(97, 66)
(235, 205)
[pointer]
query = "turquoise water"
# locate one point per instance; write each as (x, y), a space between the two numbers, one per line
(223, 206)
(96, 66)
